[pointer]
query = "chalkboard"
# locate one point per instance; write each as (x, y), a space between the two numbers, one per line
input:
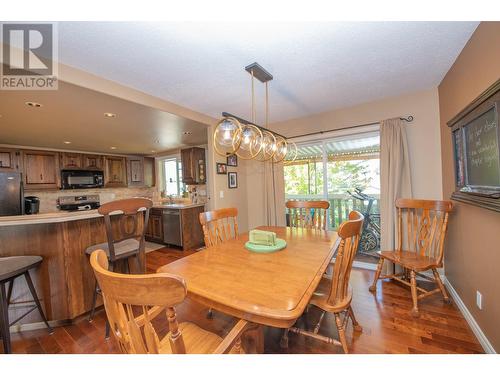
(482, 151)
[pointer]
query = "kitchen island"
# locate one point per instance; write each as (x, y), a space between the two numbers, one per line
(64, 281)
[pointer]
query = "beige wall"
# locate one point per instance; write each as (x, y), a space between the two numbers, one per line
(423, 132)
(473, 244)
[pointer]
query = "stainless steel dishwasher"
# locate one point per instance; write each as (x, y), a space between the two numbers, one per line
(172, 227)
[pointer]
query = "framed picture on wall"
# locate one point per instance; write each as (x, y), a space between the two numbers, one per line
(221, 168)
(232, 180)
(232, 160)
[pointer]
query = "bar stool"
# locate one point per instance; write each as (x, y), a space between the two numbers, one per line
(124, 243)
(10, 269)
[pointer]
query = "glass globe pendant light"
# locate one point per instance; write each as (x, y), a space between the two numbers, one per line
(281, 147)
(227, 136)
(250, 142)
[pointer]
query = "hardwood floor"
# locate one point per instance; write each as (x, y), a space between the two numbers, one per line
(385, 317)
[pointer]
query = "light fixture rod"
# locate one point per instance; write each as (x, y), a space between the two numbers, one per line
(246, 122)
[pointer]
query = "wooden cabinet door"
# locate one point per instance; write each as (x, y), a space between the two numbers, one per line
(9, 160)
(135, 171)
(70, 160)
(193, 166)
(115, 173)
(149, 172)
(188, 176)
(192, 232)
(41, 169)
(154, 230)
(92, 161)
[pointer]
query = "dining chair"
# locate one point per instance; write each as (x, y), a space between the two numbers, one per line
(308, 214)
(125, 242)
(421, 231)
(334, 295)
(219, 225)
(132, 302)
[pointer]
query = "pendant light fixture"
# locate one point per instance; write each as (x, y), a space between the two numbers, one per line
(234, 135)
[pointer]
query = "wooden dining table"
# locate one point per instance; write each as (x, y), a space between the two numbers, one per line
(270, 289)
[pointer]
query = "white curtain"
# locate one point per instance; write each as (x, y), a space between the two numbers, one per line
(395, 179)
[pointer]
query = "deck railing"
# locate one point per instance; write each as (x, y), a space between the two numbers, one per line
(340, 205)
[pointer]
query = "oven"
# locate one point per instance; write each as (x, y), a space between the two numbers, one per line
(81, 179)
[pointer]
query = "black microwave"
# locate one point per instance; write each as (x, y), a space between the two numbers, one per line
(81, 179)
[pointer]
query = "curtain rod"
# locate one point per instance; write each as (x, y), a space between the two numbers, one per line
(407, 119)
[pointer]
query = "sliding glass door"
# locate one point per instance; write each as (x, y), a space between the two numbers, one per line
(346, 172)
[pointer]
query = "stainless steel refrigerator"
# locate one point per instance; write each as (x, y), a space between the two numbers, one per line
(11, 194)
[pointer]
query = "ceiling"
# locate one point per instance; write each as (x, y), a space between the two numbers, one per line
(76, 114)
(316, 66)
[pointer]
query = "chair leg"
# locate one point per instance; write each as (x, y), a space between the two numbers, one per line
(441, 286)
(37, 301)
(355, 323)
(94, 301)
(9, 292)
(414, 296)
(340, 328)
(4, 320)
(284, 339)
(318, 325)
(373, 287)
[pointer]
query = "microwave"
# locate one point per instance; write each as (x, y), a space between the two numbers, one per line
(81, 179)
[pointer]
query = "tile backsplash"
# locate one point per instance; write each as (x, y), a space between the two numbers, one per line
(48, 198)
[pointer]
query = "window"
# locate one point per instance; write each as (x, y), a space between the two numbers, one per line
(172, 172)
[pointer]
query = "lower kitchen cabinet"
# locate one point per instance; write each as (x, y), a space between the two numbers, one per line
(176, 227)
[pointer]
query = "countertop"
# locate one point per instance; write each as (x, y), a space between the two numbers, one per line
(64, 216)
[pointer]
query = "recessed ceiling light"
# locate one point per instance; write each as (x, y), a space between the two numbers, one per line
(113, 147)
(153, 150)
(187, 133)
(33, 104)
(109, 114)
(67, 142)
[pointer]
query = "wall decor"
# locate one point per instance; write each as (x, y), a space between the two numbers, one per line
(232, 160)
(221, 168)
(232, 180)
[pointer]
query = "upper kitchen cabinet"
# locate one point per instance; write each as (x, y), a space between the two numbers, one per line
(135, 171)
(193, 166)
(41, 169)
(70, 160)
(115, 173)
(9, 160)
(91, 161)
(149, 172)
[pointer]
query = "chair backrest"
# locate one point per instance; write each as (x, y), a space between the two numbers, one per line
(308, 214)
(422, 226)
(128, 221)
(219, 225)
(133, 301)
(349, 232)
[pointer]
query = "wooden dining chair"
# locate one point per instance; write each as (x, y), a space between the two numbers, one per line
(334, 295)
(308, 214)
(125, 242)
(421, 231)
(219, 225)
(132, 302)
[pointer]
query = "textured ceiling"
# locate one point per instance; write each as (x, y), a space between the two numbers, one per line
(316, 66)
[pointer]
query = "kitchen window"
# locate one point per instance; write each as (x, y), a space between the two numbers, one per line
(172, 172)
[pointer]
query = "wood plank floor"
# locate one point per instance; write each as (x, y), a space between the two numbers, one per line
(387, 325)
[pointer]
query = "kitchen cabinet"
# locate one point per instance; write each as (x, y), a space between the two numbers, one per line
(193, 166)
(70, 160)
(115, 174)
(41, 169)
(135, 171)
(149, 172)
(92, 161)
(9, 160)
(192, 233)
(154, 231)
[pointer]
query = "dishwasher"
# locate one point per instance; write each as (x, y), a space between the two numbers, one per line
(172, 228)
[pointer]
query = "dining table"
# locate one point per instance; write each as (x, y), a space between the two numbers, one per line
(269, 289)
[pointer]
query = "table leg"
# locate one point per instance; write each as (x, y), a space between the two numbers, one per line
(253, 340)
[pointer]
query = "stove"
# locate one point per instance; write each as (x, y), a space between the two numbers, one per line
(78, 202)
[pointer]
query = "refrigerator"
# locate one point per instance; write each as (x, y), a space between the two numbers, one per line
(11, 194)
